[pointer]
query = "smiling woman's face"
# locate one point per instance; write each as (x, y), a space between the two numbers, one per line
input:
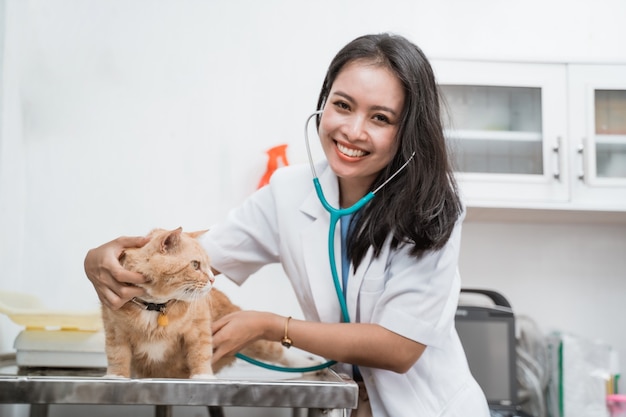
(359, 125)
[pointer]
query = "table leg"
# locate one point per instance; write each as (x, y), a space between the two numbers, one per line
(163, 411)
(215, 411)
(38, 410)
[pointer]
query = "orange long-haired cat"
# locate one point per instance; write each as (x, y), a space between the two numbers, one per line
(167, 333)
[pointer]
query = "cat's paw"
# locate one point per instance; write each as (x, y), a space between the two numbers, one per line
(203, 376)
(114, 376)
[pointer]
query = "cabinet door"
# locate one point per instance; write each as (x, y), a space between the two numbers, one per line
(598, 121)
(505, 123)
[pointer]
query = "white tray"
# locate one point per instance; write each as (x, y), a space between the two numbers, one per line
(27, 310)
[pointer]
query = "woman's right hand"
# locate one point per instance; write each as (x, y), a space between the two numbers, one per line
(114, 284)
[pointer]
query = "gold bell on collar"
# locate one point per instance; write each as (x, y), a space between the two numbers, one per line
(162, 320)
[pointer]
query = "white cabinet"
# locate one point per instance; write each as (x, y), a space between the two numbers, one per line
(598, 135)
(539, 136)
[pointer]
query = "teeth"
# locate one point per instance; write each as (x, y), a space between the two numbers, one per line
(350, 152)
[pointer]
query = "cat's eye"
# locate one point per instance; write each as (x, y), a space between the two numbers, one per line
(195, 265)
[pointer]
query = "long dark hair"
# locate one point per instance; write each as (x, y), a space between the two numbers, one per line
(421, 205)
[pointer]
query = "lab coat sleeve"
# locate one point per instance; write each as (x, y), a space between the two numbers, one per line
(246, 240)
(420, 296)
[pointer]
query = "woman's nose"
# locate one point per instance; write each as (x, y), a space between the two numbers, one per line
(355, 127)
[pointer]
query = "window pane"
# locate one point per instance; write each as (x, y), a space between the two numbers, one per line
(514, 109)
(494, 129)
(497, 156)
(610, 112)
(611, 160)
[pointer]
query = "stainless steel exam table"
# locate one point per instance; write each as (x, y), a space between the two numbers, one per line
(325, 393)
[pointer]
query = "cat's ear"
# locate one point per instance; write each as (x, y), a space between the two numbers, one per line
(197, 234)
(171, 241)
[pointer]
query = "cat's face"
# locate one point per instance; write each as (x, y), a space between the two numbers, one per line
(174, 264)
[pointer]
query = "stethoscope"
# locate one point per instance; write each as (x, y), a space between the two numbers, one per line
(335, 215)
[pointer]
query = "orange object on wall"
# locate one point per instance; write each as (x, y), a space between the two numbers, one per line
(275, 154)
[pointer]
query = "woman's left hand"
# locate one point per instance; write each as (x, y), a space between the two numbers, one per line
(235, 331)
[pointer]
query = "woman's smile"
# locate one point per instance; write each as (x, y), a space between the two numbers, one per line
(350, 152)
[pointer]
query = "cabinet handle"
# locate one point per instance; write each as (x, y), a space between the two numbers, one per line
(556, 149)
(581, 152)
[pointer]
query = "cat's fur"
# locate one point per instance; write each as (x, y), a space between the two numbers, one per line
(178, 273)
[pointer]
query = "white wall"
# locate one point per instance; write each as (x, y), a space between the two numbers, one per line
(568, 277)
(120, 116)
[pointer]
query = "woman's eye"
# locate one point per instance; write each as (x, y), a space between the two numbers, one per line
(382, 118)
(195, 265)
(342, 105)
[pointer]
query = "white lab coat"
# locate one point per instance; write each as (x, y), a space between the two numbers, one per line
(285, 222)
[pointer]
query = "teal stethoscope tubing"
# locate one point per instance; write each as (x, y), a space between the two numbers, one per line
(335, 215)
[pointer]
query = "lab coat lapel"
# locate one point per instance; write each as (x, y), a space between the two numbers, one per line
(375, 267)
(355, 281)
(315, 249)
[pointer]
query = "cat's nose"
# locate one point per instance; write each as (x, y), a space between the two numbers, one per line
(211, 276)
